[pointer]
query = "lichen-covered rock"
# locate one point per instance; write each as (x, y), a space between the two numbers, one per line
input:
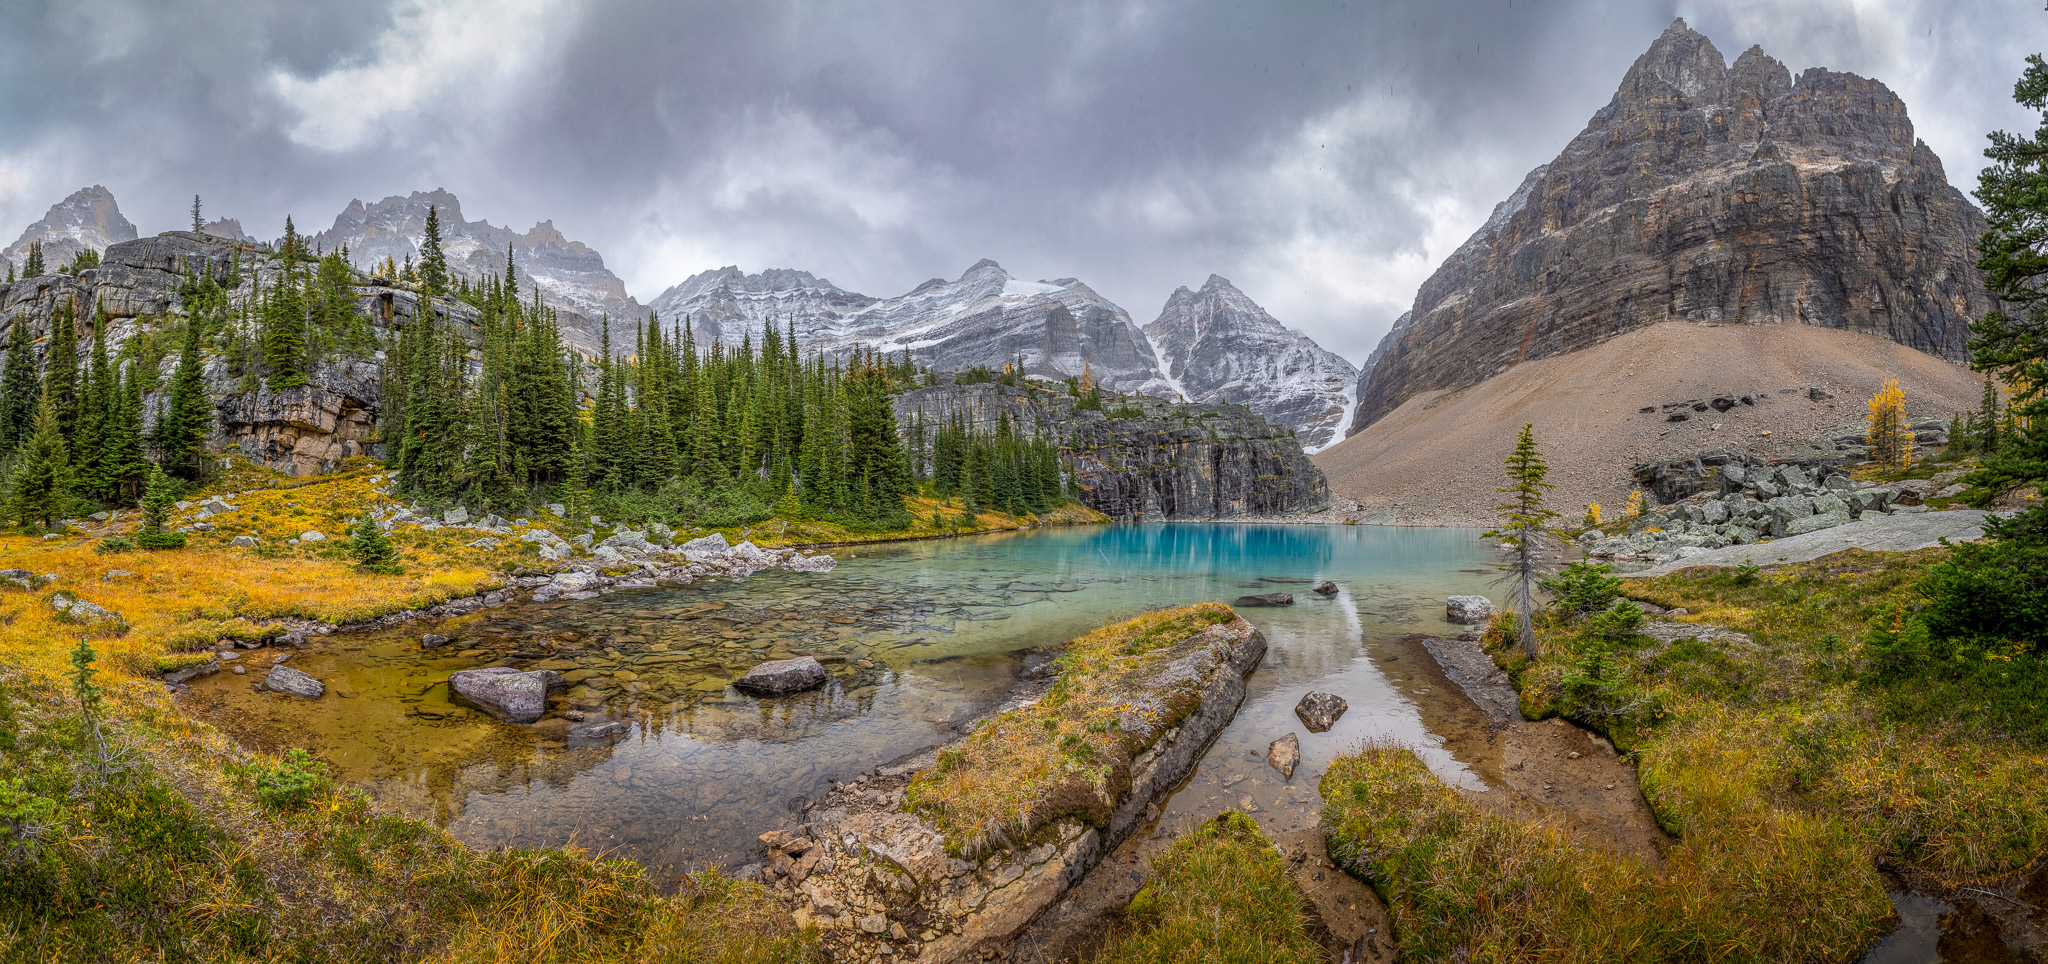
(1319, 711)
(778, 676)
(504, 692)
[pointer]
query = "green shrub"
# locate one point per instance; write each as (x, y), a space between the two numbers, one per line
(291, 782)
(371, 548)
(114, 544)
(1581, 588)
(1997, 588)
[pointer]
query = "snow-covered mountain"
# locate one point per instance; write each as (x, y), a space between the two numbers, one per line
(89, 218)
(985, 317)
(727, 303)
(571, 276)
(1220, 346)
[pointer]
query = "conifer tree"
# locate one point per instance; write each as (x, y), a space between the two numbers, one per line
(1889, 434)
(371, 548)
(1525, 529)
(1985, 419)
(186, 420)
(60, 374)
(18, 388)
(41, 485)
(433, 266)
(96, 405)
(284, 325)
(197, 224)
(157, 497)
(34, 266)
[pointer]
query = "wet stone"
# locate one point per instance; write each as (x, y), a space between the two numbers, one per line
(1319, 711)
(780, 676)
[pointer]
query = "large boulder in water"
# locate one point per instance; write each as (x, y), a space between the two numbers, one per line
(1319, 711)
(1469, 610)
(778, 676)
(1266, 599)
(504, 692)
(284, 679)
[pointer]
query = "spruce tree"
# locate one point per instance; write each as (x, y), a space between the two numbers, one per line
(1525, 529)
(186, 420)
(197, 224)
(41, 485)
(284, 328)
(1985, 419)
(157, 497)
(60, 375)
(34, 266)
(96, 404)
(18, 388)
(371, 548)
(433, 267)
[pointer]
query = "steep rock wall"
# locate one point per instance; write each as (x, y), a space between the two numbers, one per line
(1145, 460)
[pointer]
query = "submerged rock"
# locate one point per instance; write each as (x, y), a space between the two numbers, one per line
(432, 640)
(1284, 754)
(284, 679)
(1319, 711)
(504, 692)
(1469, 610)
(1266, 599)
(778, 676)
(1326, 588)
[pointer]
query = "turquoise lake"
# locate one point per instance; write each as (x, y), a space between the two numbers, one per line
(921, 639)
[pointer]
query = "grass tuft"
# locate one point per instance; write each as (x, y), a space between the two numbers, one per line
(1219, 894)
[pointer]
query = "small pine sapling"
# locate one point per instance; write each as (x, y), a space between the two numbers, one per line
(157, 496)
(371, 548)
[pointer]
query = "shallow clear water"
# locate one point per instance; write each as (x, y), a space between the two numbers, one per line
(920, 637)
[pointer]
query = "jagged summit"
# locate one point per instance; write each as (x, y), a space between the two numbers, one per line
(1218, 345)
(1707, 193)
(571, 276)
(87, 218)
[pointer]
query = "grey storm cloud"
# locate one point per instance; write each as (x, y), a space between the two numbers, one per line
(1324, 156)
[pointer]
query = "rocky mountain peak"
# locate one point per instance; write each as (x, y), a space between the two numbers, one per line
(87, 218)
(1681, 60)
(1708, 194)
(1218, 345)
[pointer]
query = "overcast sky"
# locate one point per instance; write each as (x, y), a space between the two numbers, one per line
(1324, 156)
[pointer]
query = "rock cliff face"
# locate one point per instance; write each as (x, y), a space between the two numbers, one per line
(303, 431)
(1146, 460)
(1709, 194)
(572, 276)
(89, 218)
(1218, 345)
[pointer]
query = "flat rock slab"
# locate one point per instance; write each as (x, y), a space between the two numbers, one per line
(1319, 711)
(779, 676)
(506, 693)
(1284, 754)
(1468, 666)
(1266, 599)
(1892, 533)
(284, 679)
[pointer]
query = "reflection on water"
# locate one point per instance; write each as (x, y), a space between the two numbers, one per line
(920, 638)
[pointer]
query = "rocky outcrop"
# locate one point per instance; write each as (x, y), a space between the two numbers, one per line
(89, 218)
(1708, 194)
(1144, 459)
(310, 428)
(1218, 345)
(1754, 503)
(868, 871)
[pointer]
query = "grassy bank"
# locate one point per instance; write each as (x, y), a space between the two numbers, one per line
(1788, 766)
(1219, 894)
(1069, 754)
(130, 831)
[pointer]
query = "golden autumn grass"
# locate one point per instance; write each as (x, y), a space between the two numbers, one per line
(1219, 895)
(1785, 769)
(166, 851)
(1065, 754)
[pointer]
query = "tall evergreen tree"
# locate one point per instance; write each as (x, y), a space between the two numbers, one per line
(60, 370)
(1525, 529)
(433, 267)
(186, 420)
(18, 388)
(34, 267)
(197, 224)
(41, 485)
(284, 325)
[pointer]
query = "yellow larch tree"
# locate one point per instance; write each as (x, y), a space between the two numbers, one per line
(1889, 436)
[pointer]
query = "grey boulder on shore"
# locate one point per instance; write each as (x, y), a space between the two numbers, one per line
(506, 693)
(779, 676)
(1468, 610)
